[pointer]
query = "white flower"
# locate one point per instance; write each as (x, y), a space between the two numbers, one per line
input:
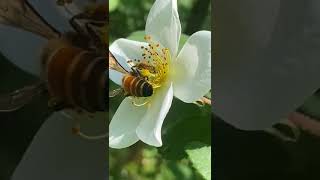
(264, 72)
(185, 75)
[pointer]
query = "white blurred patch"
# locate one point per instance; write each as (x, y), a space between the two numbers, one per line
(22, 48)
(56, 153)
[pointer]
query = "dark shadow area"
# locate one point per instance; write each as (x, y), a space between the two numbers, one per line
(19, 127)
(246, 155)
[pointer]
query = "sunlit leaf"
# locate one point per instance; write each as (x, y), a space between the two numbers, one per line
(200, 156)
(137, 36)
(113, 5)
(183, 39)
(185, 123)
(186, 3)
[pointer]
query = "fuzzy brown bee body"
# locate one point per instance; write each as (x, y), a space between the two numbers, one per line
(136, 86)
(77, 77)
(133, 84)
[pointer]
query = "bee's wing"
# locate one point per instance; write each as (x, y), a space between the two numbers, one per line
(17, 99)
(115, 92)
(116, 70)
(114, 65)
(20, 14)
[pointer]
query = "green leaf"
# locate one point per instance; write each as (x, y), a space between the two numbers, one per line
(311, 106)
(137, 36)
(186, 4)
(184, 123)
(200, 156)
(183, 39)
(113, 5)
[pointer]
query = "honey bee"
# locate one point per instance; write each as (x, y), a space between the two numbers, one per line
(73, 64)
(133, 83)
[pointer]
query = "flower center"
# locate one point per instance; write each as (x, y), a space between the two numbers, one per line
(154, 65)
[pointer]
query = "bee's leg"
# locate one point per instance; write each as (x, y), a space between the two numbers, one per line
(77, 27)
(138, 104)
(77, 131)
(92, 32)
(76, 114)
(126, 94)
(135, 71)
(95, 33)
(86, 17)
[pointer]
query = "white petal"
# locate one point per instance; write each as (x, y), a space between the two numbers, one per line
(22, 48)
(55, 15)
(124, 50)
(163, 24)
(116, 76)
(55, 153)
(266, 70)
(122, 129)
(149, 129)
(192, 70)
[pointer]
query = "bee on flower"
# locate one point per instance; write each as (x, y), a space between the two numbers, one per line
(151, 73)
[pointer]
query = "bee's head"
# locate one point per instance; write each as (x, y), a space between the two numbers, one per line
(77, 39)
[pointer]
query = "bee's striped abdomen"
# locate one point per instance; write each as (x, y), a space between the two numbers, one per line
(136, 86)
(77, 77)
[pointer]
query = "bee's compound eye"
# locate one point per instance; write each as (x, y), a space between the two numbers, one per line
(147, 90)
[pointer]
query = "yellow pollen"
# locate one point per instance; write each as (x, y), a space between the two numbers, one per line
(154, 66)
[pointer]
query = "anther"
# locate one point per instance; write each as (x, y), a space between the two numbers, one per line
(147, 37)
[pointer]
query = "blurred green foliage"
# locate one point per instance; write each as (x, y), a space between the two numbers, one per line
(180, 129)
(311, 106)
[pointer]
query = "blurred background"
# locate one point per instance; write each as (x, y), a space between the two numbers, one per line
(170, 162)
(246, 155)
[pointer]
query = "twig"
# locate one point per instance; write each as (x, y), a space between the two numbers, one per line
(206, 100)
(305, 123)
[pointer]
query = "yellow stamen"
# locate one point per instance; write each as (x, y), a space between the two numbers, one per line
(154, 65)
(157, 57)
